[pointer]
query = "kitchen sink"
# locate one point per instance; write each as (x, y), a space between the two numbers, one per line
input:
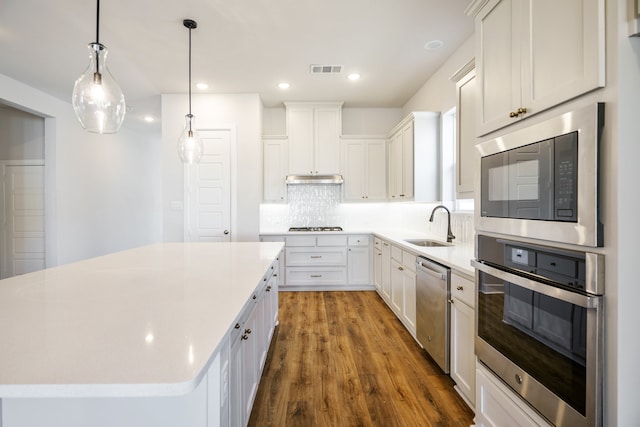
(427, 243)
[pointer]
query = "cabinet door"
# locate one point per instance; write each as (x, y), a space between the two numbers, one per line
(377, 270)
(327, 130)
(498, 63)
(276, 165)
(386, 272)
(466, 136)
(250, 364)
(409, 307)
(407, 162)
(358, 265)
(562, 51)
(301, 147)
(376, 170)
(354, 170)
(395, 166)
(462, 363)
(397, 288)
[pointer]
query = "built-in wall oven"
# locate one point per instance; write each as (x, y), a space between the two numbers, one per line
(540, 324)
(542, 181)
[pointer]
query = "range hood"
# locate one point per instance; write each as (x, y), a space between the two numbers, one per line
(314, 179)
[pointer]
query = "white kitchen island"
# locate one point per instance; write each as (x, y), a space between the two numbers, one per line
(144, 337)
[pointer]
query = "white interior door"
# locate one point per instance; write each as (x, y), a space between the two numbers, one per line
(23, 237)
(208, 191)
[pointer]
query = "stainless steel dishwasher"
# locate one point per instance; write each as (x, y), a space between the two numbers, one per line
(432, 309)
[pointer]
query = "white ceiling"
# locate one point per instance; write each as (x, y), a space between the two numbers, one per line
(240, 46)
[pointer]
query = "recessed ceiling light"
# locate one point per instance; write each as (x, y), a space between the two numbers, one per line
(433, 45)
(284, 85)
(202, 86)
(353, 76)
(149, 119)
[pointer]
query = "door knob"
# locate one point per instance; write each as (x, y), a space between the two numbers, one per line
(226, 231)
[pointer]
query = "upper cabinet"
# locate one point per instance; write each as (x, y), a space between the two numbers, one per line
(466, 106)
(414, 158)
(276, 166)
(314, 137)
(534, 54)
(364, 169)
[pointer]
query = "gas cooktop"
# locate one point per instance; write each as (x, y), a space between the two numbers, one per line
(315, 229)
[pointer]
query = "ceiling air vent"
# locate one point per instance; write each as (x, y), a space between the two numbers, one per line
(326, 69)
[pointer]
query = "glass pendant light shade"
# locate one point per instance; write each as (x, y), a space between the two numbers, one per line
(190, 145)
(97, 99)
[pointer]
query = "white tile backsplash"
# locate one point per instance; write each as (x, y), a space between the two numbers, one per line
(366, 216)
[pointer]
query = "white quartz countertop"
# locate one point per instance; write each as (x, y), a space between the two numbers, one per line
(142, 322)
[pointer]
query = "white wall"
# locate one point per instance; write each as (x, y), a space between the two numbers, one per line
(21, 135)
(244, 112)
(439, 93)
(628, 291)
(102, 191)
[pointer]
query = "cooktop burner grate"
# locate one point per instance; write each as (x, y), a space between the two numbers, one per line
(315, 229)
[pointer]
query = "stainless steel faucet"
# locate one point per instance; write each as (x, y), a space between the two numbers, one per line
(450, 235)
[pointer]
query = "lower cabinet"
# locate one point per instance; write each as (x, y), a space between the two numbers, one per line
(497, 405)
(403, 287)
(462, 323)
(377, 265)
(385, 269)
(325, 261)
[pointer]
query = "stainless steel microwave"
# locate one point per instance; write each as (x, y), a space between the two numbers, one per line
(542, 181)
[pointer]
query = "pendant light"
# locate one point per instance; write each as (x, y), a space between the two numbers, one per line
(190, 145)
(97, 99)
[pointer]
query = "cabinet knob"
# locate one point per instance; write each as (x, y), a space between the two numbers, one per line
(522, 110)
(513, 114)
(226, 231)
(400, 268)
(450, 301)
(237, 326)
(254, 297)
(268, 288)
(460, 288)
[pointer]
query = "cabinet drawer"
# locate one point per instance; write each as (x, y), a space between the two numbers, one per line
(316, 276)
(316, 256)
(332, 240)
(358, 241)
(396, 253)
(409, 261)
(463, 289)
(300, 240)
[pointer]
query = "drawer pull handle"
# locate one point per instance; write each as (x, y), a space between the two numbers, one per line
(316, 275)
(460, 288)
(268, 288)
(316, 256)
(247, 331)
(245, 337)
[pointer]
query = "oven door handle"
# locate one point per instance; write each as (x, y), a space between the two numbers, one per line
(586, 301)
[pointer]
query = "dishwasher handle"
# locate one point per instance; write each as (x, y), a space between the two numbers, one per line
(431, 268)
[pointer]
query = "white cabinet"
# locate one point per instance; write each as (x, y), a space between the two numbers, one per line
(466, 105)
(532, 55)
(385, 269)
(249, 340)
(324, 261)
(414, 158)
(358, 260)
(377, 265)
(403, 287)
(275, 168)
(462, 355)
(497, 405)
(364, 169)
(314, 132)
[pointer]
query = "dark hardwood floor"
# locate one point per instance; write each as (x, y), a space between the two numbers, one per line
(344, 359)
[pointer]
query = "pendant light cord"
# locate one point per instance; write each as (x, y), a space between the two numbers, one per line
(98, 23)
(189, 71)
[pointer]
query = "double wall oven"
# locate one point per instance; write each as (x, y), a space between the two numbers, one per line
(539, 274)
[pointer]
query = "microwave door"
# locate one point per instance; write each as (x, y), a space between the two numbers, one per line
(530, 181)
(518, 183)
